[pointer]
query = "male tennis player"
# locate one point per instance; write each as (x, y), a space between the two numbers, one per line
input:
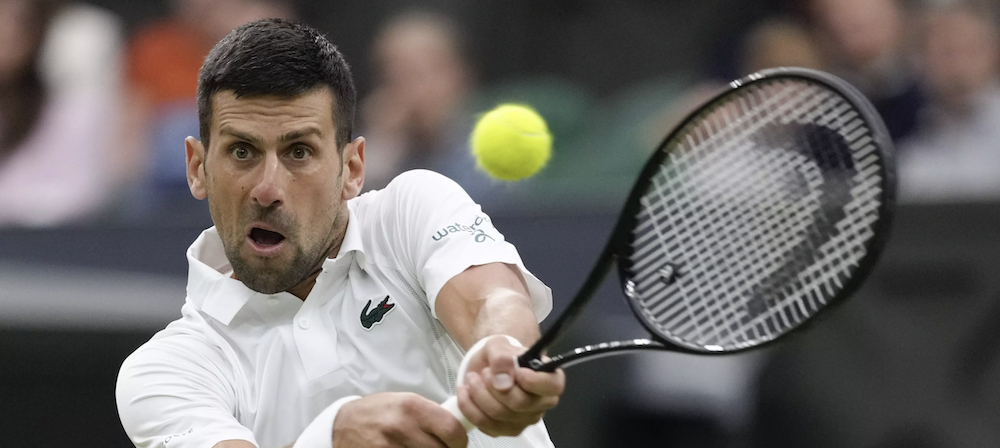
(317, 317)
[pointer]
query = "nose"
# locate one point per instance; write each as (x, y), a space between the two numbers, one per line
(270, 187)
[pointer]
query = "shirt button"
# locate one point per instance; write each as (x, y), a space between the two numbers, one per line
(304, 323)
(272, 301)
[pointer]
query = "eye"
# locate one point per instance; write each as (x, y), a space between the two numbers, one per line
(240, 152)
(300, 152)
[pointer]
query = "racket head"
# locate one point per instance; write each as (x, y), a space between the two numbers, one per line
(768, 205)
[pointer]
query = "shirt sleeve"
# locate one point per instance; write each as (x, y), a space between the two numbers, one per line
(174, 392)
(444, 232)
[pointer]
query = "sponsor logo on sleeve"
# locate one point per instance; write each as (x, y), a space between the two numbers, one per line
(474, 229)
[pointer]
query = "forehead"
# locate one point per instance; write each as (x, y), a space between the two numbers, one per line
(262, 113)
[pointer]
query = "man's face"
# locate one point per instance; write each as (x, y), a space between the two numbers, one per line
(276, 185)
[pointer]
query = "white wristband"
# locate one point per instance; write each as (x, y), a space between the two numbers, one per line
(451, 404)
(479, 346)
(319, 433)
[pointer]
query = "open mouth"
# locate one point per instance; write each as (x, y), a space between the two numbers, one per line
(265, 238)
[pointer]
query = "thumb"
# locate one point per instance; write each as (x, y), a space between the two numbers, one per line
(503, 379)
(502, 364)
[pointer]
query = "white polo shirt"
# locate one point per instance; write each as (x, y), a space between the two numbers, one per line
(243, 365)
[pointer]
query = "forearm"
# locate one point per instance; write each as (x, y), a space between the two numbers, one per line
(504, 312)
(487, 300)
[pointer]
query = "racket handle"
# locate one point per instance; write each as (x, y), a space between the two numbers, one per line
(451, 405)
(531, 361)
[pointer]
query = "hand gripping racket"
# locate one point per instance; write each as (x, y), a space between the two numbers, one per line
(760, 210)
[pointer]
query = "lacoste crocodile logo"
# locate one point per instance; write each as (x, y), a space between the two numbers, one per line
(368, 319)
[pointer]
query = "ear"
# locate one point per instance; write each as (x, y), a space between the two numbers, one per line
(196, 168)
(354, 168)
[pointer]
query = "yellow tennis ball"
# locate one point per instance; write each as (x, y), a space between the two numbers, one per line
(511, 142)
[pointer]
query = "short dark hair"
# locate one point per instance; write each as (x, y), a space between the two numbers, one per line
(277, 57)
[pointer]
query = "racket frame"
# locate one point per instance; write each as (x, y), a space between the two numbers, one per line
(618, 248)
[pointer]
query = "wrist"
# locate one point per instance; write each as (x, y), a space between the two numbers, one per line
(464, 366)
(482, 342)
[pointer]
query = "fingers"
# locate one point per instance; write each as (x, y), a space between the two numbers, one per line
(500, 412)
(499, 355)
(397, 420)
(502, 398)
(502, 361)
(417, 440)
(491, 421)
(442, 425)
(541, 383)
(426, 439)
(522, 398)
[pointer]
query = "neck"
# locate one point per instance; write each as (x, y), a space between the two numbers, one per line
(303, 289)
(339, 230)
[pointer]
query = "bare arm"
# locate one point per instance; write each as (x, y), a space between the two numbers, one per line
(486, 300)
(497, 396)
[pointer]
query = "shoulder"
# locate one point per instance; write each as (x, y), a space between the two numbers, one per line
(411, 194)
(397, 218)
(421, 177)
(186, 346)
(178, 369)
(185, 381)
(420, 183)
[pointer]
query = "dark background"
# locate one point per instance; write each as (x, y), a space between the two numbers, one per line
(917, 348)
(911, 361)
(600, 43)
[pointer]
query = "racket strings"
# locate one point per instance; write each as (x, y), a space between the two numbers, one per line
(745, 221)
(757, 218)
(746, 225)
(836, 194)
(786, 318)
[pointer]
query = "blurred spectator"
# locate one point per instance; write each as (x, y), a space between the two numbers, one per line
(162, 68)
(779, 42)
(774, 42)
(416, 115)
(709, 401)
(956, 154)
(58, 110)
(865, 43)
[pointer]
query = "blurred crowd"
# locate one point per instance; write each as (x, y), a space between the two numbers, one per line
(93, 114)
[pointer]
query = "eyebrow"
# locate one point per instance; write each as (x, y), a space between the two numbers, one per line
(240, 135)
(297, 134)
(292, 135)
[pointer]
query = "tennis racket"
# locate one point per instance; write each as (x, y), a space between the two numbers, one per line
(762, 209)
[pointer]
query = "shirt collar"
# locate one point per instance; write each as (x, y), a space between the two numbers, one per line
(352, 237)
(209, 288)
(220, 296)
